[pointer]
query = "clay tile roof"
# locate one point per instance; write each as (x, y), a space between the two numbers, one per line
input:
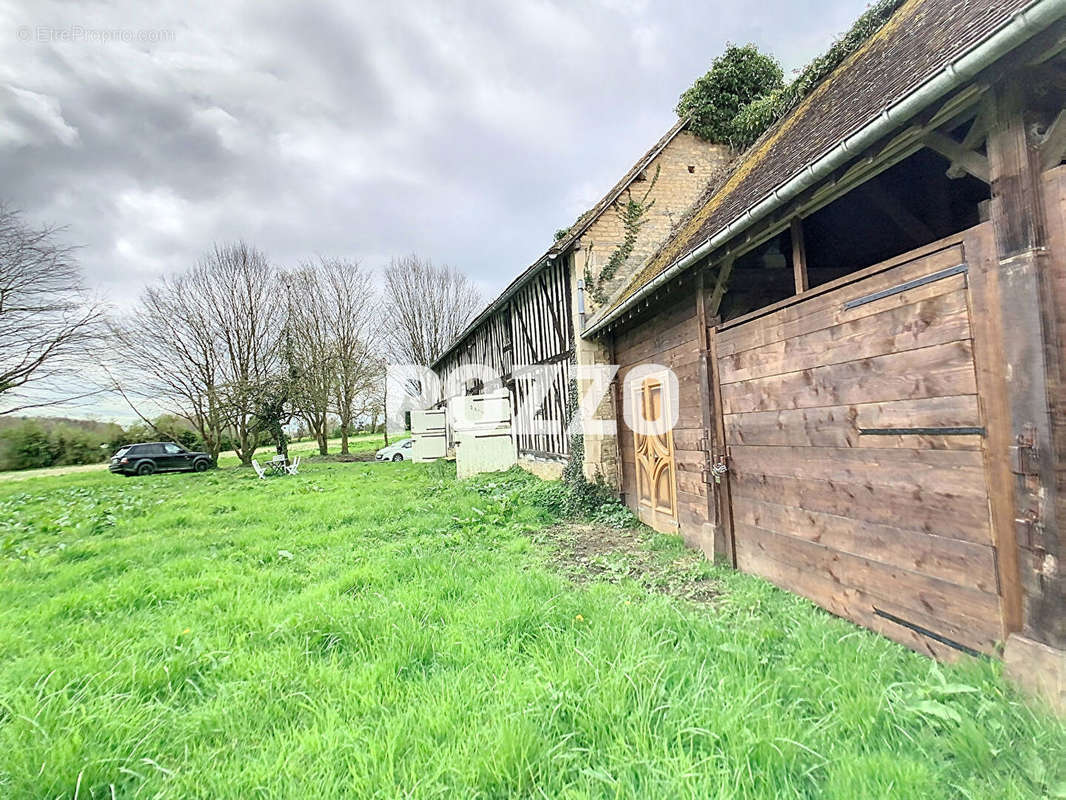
(919, 40)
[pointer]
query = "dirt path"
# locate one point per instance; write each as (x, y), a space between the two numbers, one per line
(601, 553)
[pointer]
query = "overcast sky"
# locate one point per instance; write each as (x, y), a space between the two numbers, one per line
(467, 132)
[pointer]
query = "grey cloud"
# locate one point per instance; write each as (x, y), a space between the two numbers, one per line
(467, 131)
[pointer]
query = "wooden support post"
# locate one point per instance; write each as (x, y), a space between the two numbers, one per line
(1032, 356)
(991, 367)
(799, 256)
(719, 549)
(725, 540)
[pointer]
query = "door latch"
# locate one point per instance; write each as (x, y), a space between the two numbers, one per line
(718, 469)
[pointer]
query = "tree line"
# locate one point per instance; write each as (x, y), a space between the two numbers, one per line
(36, 442)
(235, 346)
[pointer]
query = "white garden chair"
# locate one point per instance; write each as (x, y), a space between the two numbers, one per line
(294, 467)
(258, 469)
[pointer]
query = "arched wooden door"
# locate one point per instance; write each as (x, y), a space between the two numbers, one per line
(656, 484)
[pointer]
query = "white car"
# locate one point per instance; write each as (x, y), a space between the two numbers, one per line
(401, 451)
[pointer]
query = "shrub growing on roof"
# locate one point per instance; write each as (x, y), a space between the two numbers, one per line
(709, 103)
(736, 78)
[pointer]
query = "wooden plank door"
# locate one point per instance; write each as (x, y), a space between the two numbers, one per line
(857, 423)
(655, 467)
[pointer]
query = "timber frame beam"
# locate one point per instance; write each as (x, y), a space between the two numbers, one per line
(720, 286)
(1053, 145)
(962, 159)
(1029, 321)
(799, 256)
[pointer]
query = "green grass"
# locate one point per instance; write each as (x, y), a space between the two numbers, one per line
(380, 630)
(360, 442)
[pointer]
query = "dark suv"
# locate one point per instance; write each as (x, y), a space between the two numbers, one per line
(144, 459)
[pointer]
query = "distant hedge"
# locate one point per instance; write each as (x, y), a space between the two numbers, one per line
(30, 445)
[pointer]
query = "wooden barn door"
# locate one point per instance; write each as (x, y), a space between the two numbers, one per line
(856, 424)
(655, 468)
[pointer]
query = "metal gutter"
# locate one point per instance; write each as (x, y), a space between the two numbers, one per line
(1022, 26)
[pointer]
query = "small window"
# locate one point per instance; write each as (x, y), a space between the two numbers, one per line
(407, 444)
(123, 451)
(172, 449)
(149, 449)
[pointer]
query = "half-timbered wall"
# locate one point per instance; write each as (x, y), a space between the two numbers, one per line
(532, 330)
(543, 337)
(489, 344)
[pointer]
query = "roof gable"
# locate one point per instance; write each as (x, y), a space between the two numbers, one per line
(583, 223)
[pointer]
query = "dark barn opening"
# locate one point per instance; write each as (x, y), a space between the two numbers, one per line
(905, 207)
(760, 277)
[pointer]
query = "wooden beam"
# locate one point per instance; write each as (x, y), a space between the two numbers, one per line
(1030, 348)
(725, 541)
(969, 161)
(1050, 49)
(799, 256)
(720, 285)
(1017, 207)
(984, 301)
(903, 217)
(978, 131)
(1053, 147)
(712, 541)
(975, 135)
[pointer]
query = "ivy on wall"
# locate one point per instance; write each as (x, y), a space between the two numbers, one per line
(632, 214)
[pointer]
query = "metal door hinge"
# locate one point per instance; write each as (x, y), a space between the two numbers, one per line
(1030, 532)
(1024, 454)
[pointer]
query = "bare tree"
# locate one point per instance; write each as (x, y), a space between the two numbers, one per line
(169, 350)
(427, 308)
(47, 323)
(352, 301)
(206, 343)
(243, 294)
(330, 345)
(310, 350)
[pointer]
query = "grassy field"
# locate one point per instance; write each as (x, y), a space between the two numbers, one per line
(362, 442)
(381, 630)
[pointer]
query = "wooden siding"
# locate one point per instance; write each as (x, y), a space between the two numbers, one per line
(672, 339)
(893, 531)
